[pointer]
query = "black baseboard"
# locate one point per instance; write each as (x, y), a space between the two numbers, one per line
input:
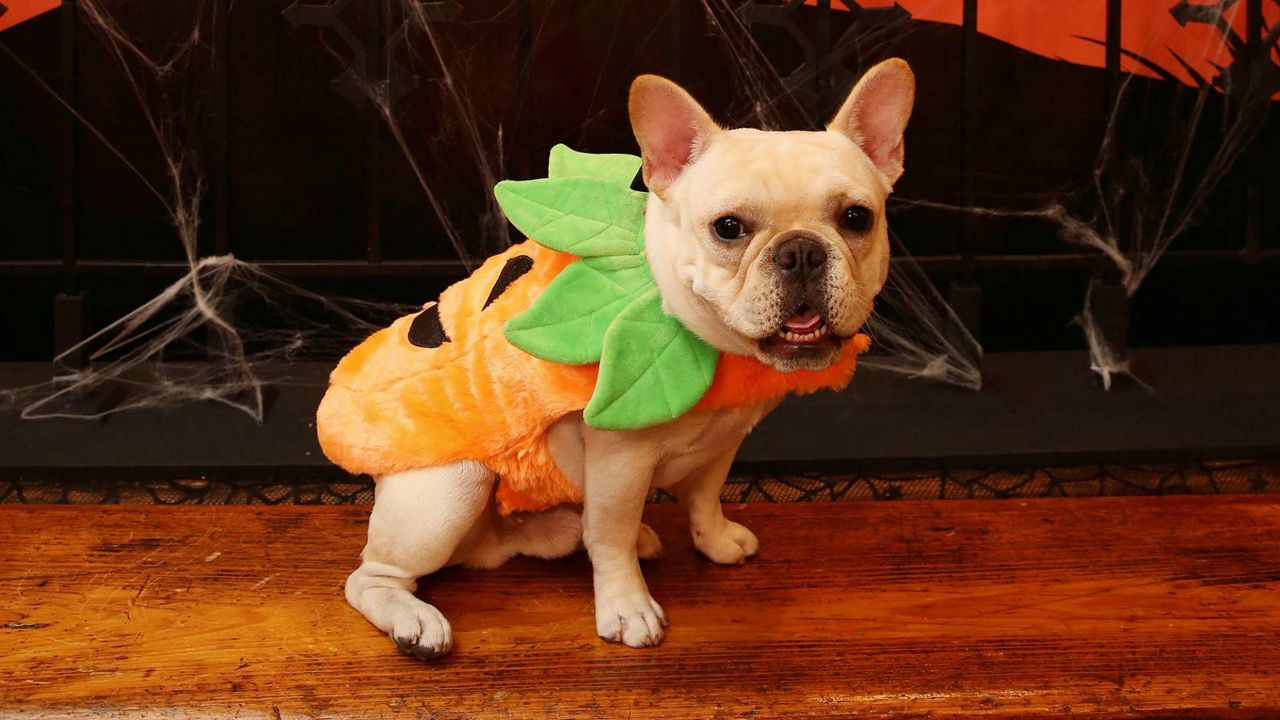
(1035, 409)
(1039, 409)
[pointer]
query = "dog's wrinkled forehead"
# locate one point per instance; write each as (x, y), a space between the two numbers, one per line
(787, 175)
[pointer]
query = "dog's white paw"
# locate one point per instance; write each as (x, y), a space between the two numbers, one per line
(419, 629)
(635, 620)
(648, 546)
(733, 544)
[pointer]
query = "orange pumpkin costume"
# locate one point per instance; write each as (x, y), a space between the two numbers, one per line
(445, 385)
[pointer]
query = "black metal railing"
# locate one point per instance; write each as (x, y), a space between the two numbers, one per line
(962, 266)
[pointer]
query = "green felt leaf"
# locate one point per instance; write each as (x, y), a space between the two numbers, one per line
(605, 307)
(653, 369)
(567, 323)
(583, 216)
(614, 168)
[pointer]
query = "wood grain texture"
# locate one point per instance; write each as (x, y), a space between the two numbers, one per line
(1104, 607)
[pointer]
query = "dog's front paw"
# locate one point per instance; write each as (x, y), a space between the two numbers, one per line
(635, 620)
(731, 545)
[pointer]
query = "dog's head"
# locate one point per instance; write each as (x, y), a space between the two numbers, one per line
(772, 244)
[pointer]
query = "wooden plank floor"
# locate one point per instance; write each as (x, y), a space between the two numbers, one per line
(1104, 607)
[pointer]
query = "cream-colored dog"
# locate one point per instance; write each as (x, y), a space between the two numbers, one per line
(769, 244)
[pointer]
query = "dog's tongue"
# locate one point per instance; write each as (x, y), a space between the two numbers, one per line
(803, 322)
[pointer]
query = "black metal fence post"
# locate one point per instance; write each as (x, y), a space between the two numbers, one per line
(221, 133)
(675, 40)
(378, 79)
(965, 296)
(1108, 298)
(1255, 58)
(522, 137)
(1113, 45)
(69, 307)
(822, 71)
(216, 343)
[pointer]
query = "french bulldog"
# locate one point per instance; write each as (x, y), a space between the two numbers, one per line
(770, 245)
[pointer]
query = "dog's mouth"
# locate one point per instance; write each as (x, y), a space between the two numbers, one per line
(806, 326)
(804, 333)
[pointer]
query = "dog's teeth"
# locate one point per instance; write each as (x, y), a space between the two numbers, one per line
(797, 338)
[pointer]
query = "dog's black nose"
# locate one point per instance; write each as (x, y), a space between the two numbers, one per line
(800, 258)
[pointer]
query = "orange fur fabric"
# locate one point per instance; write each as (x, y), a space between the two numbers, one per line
(445, 385)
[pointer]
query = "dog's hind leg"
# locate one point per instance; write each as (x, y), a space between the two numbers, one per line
(419, 520)
(545, 534)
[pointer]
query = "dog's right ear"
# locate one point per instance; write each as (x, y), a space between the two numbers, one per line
(671, 127)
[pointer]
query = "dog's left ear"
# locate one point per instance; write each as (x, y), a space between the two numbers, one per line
(671, 127)
(876, 112)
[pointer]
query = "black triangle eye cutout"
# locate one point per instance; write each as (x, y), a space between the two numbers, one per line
(638, 182)
(426, 330)
(515, 268)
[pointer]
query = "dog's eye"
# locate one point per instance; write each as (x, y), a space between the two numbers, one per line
(729, 228)
(856, 218)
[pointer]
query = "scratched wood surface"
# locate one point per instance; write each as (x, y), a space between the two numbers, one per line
(1104, 607)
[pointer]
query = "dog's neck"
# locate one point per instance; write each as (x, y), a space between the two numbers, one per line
(663, 232)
